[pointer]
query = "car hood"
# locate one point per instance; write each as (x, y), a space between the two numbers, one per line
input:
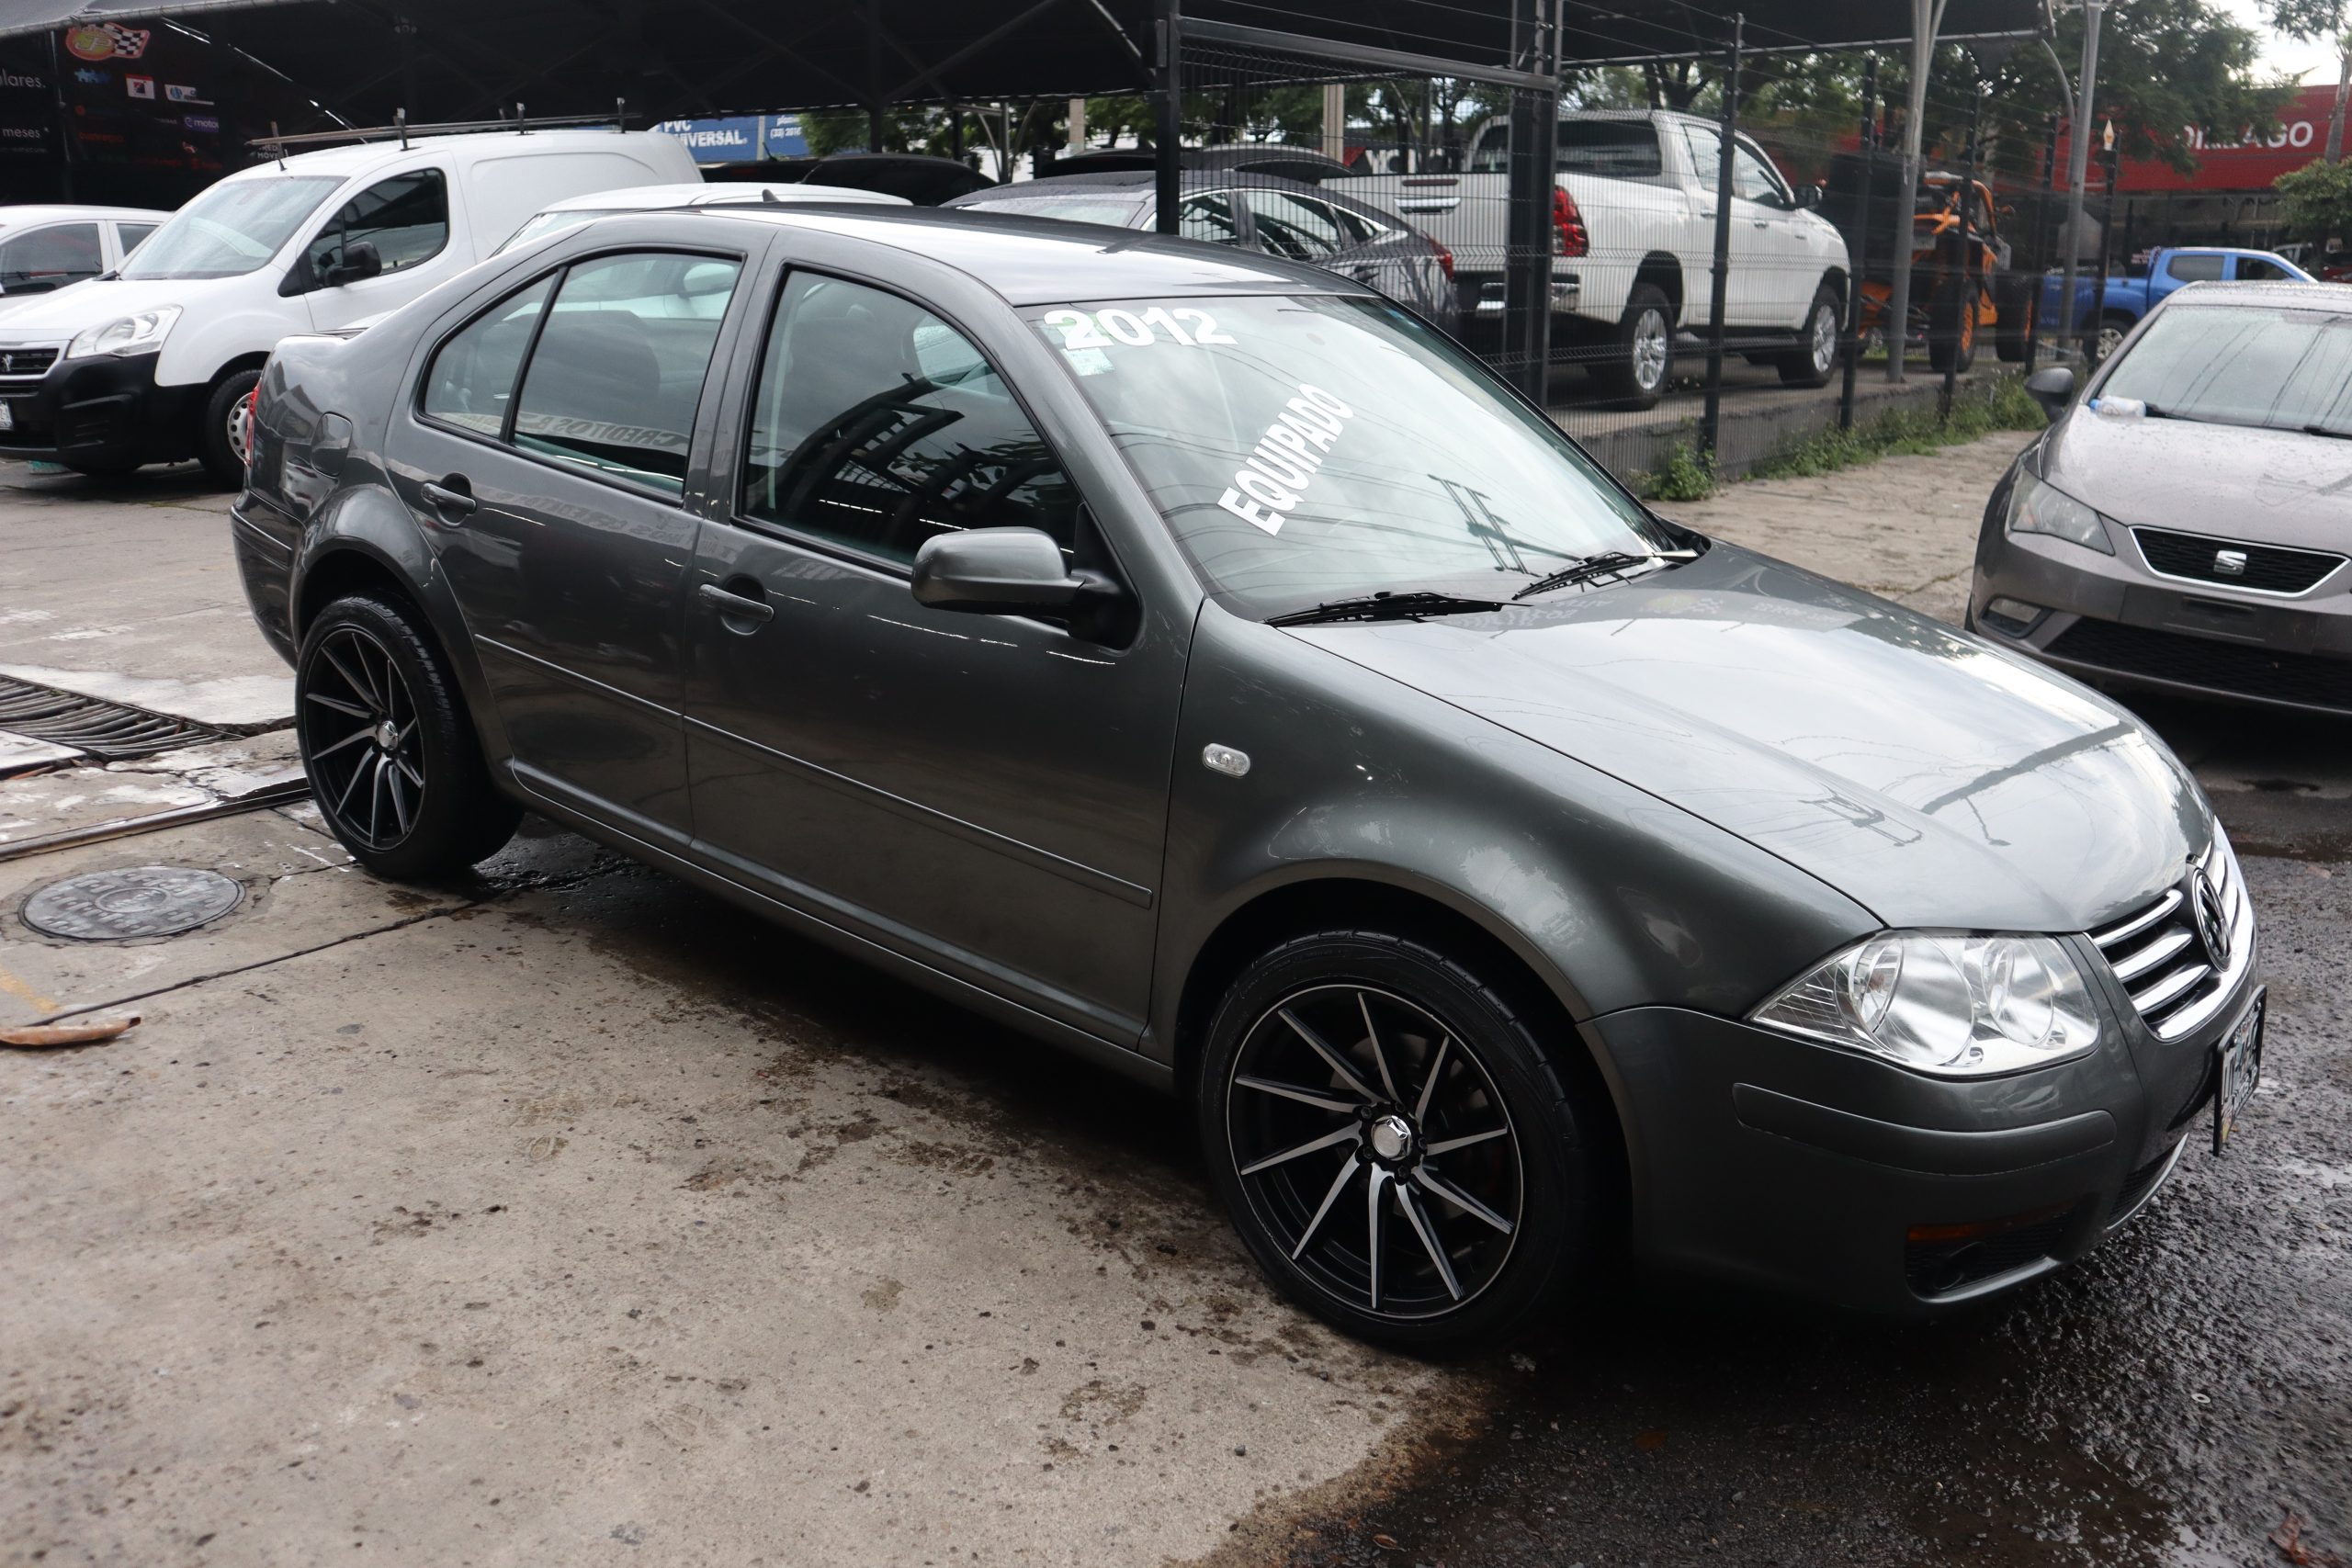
(1931, 778)
(2278, 487)
(57, 315)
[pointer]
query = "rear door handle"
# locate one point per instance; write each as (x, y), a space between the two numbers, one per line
(735, 607)
(452, 497)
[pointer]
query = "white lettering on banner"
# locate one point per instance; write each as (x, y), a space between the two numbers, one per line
(1290, 453)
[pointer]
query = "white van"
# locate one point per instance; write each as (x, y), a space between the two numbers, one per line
(150, 364)
(44, 248)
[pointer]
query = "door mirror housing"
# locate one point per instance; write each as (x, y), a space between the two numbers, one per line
(1015, 571)
(358, 262)
(2053, 388)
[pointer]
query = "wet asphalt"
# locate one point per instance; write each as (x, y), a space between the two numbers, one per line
(2184, 1396)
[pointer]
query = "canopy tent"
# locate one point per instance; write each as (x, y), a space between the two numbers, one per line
(443, 60)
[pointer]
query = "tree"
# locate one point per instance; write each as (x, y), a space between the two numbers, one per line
(2318, 198)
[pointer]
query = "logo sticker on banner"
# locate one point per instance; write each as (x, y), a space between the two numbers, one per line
(139, 86)
(177, 93)
(109, 40)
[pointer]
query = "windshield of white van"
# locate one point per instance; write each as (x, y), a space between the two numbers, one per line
(230, 229)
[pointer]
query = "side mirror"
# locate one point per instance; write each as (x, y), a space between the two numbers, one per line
(359, 262)
(2053, 388)
(1804, 197)
(1012, 571)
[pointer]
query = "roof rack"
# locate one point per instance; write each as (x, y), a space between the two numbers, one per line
(403, 131)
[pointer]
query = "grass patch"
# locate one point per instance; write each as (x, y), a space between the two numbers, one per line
(1978, 409)
(1684, 473)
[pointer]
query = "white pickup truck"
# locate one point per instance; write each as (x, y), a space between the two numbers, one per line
(1633, 224)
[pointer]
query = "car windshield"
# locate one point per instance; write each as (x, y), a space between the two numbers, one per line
(1118, 211)
(1305, 448)
(230, 229)
(2277, 367)
(564, 218)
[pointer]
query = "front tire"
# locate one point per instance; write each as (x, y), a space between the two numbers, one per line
(1640, 361)
(1815, 355)
(1394, 1147)
(1952, 330)
(221, 439)
(389, 747)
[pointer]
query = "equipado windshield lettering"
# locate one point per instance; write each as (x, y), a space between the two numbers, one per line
(1272, 479)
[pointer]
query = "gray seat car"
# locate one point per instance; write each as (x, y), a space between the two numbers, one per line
(2184, 525)
(1201, 663)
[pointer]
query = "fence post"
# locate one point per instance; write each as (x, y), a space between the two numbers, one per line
(1719, 284)
(2040, 271)
(1963, 328)
(1167, 120)
(1857, 264)
(2098, 290)
(1529, 183)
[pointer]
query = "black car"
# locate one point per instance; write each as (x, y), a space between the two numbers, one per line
(1204, 664)
(1228, 204)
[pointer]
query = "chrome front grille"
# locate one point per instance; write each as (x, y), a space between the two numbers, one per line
(2162, 955)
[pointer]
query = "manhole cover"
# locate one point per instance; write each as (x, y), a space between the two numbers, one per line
(145, 900)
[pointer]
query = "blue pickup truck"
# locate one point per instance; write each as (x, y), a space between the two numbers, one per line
(2133, 295)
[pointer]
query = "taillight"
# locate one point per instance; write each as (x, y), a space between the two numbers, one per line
(1444, 260)
(253, 417)
(1569, 238)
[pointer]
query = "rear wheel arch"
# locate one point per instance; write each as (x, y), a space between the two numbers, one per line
(1661, 268)
(345, 568)
(1355, 903)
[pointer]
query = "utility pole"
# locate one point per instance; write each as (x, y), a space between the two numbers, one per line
(2343, 87)
(2078, 163)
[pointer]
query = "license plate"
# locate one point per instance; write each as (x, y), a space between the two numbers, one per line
(7, 415)
(2237, 1072)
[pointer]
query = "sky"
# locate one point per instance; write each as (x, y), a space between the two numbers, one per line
(2314, 60)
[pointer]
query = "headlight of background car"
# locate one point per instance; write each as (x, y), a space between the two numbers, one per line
(141, 333)
(2038, 507)
(1945, 1002)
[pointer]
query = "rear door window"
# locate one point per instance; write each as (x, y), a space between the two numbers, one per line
(1209, 217)
(43, 259)
(618, 370)
(1293, 226)
(2195, 269)
(877, 426)
(1618, 149)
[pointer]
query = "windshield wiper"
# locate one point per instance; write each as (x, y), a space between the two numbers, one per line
(1386, 606)
(1608, 563)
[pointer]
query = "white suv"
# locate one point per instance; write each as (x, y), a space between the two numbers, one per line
(152, 364)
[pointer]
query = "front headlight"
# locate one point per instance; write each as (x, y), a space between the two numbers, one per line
(1944, 1002)
(141, 333)
(2039, 508)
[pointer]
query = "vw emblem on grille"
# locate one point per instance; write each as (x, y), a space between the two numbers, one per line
(2209, 919)
(2229, 563)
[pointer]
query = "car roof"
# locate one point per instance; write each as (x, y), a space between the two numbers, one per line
(2312, 296)
(17, 214)
(362, 157)
(1044, 261)
(1225, 178)
(703, 194)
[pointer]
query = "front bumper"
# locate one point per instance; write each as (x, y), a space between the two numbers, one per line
(2112, 620)
(101, 411)
(1827, 1174)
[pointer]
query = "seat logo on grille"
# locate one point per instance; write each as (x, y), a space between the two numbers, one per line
(2229, 563)
(2211, 921)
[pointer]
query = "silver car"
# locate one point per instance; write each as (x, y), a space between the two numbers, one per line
(2183, 525)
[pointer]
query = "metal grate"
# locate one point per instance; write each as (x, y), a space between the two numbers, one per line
(26, 361)
(105, 730)
(2267, 569)
(2267, 674)
(1936, 1268)
(2171, 971)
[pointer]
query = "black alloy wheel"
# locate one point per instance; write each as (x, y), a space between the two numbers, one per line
(360, 738)
(393, 763)
(1395, 1151)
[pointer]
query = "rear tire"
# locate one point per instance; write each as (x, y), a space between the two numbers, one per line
(1641, 354)
(2113, 329)
(389, 746)
(1349, 1199)
(219, 439)
(1951, 330)
(2014, 321)
(1819, 342)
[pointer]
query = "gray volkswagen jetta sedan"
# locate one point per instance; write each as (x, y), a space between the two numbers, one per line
(1199, 662)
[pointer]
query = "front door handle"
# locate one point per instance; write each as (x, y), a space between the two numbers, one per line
(736, 607)
(452, 496)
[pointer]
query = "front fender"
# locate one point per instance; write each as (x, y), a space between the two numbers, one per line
(1612, 896)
